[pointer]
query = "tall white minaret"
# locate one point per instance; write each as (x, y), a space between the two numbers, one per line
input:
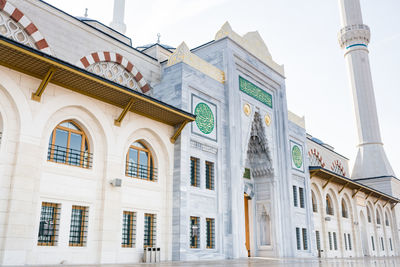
(118, 16)
(354, 38)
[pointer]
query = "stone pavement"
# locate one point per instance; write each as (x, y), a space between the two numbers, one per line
(270, 262)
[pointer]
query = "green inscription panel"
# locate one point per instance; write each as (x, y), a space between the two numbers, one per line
(204, 118)
(254, 91)
(297, 156)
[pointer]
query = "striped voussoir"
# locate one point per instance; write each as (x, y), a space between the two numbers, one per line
(30, 28)
(117, 58)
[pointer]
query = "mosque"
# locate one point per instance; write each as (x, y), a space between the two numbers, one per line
(108, 151)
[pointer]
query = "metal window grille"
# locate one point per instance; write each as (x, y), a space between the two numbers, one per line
(295, 196)
(194, 172)
(210, 175)
(345, 242)
(305, 240)
(383, 247)
(373, 244)
(301, 193)
(128, 229)
(78, 229)
(144, 172)
(150, 222)
(349, 238)
(194, 232)
(69, 156)
(210, 233)
(318, 239)
(330, 240)
(390, 243)
(335, 241)
(49, 224)
(298, 241)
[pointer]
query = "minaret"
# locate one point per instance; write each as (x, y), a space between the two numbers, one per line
(371, 161)
(118, 16)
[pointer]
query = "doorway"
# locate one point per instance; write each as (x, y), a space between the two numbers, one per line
(246, 221)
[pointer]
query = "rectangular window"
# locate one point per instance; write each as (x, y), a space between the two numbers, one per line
(383, 247)
(210, 233)
(301, 193)
(298, 240)
(149, 230)
(128, 229)
(49, 223)
(345, 242)
(390, 243)
(318, 239)
(335, 241)
(373, 244)
(78, 229)
(194, 172)
(295, 196)
(209, 175)
(349, 238)
(194, 232)
(305, 243)
(330, 240)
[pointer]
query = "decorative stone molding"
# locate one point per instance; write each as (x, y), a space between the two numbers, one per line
(183, 54)
(337, 167)
(203, 147)
(354, 35)
(25, 24)
(251, 42)
(124, 78)
(315, 158)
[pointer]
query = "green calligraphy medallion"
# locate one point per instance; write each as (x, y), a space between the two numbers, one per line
(297, 156)
(204, 118)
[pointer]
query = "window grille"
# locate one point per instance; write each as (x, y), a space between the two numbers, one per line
(383, 247)
(194, 232)
(210, 233)
(49, 224)
(345, 242)
(305, 240)
(335, 241)
(349, 238)
(79, 224)
(330, 240)
(128, 229)
(373, 244)
(298, 241)
(150, 230)
(295, 196)
(139, 163)
(194, 172)
(329, 208)
(318, 239)
(390, 243)
(209, 175)
(301, 193)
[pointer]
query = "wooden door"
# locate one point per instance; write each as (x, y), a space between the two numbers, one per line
(246, 221)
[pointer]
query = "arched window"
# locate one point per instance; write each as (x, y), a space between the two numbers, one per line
(386, 219)
(314, 202)
(345, 213)
(378, 217)
(139, 162)
(329, 207)
(369, 215)
(68, 144)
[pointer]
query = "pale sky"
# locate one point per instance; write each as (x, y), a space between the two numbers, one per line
(302, 35)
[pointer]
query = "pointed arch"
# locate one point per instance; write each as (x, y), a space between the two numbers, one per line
(22, 27)
(124, 72)
(345, 209)
(315, 158)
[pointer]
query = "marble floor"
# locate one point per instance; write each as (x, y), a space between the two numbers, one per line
(270, 262)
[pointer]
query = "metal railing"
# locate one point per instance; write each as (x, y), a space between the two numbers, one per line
(69, 156)
(144, 172)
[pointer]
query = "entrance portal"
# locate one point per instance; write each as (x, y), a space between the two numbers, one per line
(246, 221)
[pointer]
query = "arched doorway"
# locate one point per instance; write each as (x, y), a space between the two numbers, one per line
(364, 236)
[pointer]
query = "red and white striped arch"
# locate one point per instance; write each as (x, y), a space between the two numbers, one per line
(338, 168)
(28, 26)
(117, 58)
(314, 155)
